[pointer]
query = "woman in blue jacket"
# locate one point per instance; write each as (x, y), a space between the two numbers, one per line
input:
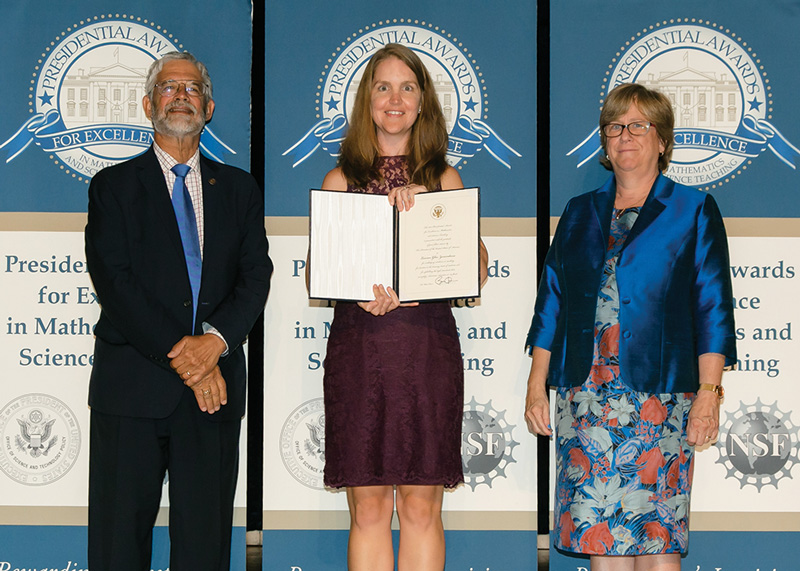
(633, 327)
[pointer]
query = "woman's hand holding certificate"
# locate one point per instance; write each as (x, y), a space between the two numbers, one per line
(425, 244)
(403, 196)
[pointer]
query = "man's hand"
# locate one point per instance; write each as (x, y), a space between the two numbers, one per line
(194, 357)
(211, 391)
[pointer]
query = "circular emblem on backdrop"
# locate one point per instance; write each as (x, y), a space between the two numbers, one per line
(303, 443)
(86, 96)
(720, 97)
(487, 444)
(460, 88)
(758, 445)
(39, 438)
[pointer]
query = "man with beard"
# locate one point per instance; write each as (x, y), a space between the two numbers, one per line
(176, 250)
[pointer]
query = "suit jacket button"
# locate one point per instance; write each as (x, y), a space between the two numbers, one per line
(187, 303)
(626, 334)
(626, 300)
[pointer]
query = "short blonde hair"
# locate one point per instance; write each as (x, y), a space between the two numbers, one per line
(654, 105)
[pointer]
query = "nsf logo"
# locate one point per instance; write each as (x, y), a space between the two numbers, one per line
(487, 443)
(717, 86)
(758, 445)
(85, 101)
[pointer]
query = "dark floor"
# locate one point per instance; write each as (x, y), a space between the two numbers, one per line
(544, 560)
(254, 558)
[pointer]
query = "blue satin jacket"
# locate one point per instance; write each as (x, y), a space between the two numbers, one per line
(674, 282)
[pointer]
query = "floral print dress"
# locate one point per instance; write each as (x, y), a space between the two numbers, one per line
(623, 466)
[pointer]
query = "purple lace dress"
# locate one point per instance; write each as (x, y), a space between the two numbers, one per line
(394, 388)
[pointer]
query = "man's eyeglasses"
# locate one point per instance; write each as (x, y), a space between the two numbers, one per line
(637, 128)
(170, 87)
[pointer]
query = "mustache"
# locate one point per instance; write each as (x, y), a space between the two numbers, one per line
(181, 105)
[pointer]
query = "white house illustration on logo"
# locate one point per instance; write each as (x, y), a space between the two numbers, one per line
(459, 88)
(699, 98)
(719, 94)
(86, 99)
(106, 94)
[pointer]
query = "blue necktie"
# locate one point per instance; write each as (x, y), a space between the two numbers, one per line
(187, 224)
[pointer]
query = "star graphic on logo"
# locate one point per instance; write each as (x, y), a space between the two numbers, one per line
(754, 104)
(332, 104)
(46, 99)
(470, 105)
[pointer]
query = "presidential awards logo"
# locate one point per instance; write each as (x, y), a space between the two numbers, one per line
(459, 84)
(720, 96)
(85, 100)
(758, 445)
(40, 439)
(487, 443)
(303, 443)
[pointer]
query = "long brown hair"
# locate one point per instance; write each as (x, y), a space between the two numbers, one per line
(654, 105)
(427, 145)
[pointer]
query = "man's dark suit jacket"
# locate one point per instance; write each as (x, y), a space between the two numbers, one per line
(137, 265)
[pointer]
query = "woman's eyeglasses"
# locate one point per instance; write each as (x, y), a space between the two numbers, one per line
(637, 128)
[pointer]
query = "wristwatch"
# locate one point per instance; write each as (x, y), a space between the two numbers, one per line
(715, 388)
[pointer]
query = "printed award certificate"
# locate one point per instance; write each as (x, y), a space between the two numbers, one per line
(426, 253)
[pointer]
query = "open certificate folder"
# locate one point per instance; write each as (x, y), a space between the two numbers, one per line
(426, 253)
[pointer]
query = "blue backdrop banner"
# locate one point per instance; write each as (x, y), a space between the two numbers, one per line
(728, 68)
(72, 89)
(482, 61)
(73, 81)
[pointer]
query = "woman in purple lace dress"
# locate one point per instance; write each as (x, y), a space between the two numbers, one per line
(393, 372)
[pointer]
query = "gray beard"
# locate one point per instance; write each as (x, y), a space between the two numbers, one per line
(178, 126)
